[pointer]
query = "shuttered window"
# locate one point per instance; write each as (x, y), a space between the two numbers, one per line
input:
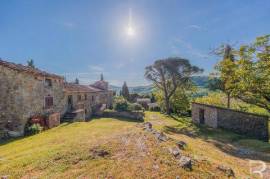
(48, 101)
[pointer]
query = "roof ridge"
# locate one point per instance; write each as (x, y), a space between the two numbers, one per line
(24, 68)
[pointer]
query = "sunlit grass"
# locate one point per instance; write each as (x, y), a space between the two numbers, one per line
(64, 152)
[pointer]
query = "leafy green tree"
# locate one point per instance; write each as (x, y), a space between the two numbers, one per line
(125, 91)
(120, 104)
(169, 74)
(254, 73)
(227, 69)
(30, 63)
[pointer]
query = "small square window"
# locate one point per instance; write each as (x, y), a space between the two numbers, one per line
(48, 82)
(48, 101)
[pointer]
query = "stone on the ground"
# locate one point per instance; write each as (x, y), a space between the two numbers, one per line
(174, 151)
(227, 170)
(148, 126)
(99, 153)
(185, 162)
(161, 136)
(181, 145)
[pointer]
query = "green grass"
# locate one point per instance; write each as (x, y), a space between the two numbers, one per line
(65, 151)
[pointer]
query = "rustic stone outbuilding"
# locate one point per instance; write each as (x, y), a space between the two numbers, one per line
(251, 125)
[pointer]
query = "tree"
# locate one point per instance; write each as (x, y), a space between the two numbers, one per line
(227, 69)
(254, 73)
(125, 91)
(30, 63)
(77, 81)
(101, 77)
(169, 74)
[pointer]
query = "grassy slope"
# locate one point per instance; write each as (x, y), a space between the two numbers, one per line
(64, 152)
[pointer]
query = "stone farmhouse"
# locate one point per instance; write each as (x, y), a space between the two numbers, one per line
(27, 92)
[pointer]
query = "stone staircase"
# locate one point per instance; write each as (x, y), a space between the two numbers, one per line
(68, 117)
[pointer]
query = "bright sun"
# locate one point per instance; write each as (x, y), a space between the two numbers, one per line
(130, 31)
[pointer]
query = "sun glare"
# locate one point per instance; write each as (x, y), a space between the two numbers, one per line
(130, 31)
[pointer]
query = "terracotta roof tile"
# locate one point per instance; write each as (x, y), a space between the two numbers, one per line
(71, 87)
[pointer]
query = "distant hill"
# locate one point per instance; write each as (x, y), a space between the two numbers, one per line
(137, 89)
(200, 81)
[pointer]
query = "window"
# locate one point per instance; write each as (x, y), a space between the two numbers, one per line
(79, 97)
(93, 98)
(48, 101)
(85, 96)
(48, 82)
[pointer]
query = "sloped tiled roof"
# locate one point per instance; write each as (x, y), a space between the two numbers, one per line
(27, 69)
(71, 87)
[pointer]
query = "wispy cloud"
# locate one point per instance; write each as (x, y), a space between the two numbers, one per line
(68, 24)
(196, 27)
(96, 69)
(180, 46)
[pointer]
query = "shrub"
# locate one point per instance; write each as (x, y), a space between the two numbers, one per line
(120, 104)
(154, 108)
(134, 107)
(33, 129)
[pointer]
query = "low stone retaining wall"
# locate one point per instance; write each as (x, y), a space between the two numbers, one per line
(123, 114)
(248, 124)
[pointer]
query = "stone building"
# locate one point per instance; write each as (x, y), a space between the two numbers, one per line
(26, 92)
(251, 125)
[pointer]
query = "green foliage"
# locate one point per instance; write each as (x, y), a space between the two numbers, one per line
(30, 63)
(247, 75)
(219, 99)
(169, 74)
(120, 104)
(125, 91)
(154, 108)
(179, 103)
(33, 129)
(135, 107)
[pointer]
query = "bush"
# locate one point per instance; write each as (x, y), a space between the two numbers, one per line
(120, 104)
(154, 108)
(33, 129)
(134, 107)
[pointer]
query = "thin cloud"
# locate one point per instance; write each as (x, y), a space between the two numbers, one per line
(68, 24)
(196, 27)
(180, 45)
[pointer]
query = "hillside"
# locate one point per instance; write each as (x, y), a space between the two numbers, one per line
(119, 148)
(200, 81)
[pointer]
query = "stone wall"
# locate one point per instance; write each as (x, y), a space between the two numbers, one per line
(22, 95)
(244, 123)
(210, 114)
(248, 124)
(124, 114)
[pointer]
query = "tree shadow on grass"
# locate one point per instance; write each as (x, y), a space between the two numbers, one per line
(226, 141)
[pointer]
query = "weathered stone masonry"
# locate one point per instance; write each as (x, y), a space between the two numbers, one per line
(26, 92)
(248, 124)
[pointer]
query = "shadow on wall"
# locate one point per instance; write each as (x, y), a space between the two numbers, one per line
(228, 142)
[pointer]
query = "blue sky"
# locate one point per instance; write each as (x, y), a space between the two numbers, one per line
(84, 38)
